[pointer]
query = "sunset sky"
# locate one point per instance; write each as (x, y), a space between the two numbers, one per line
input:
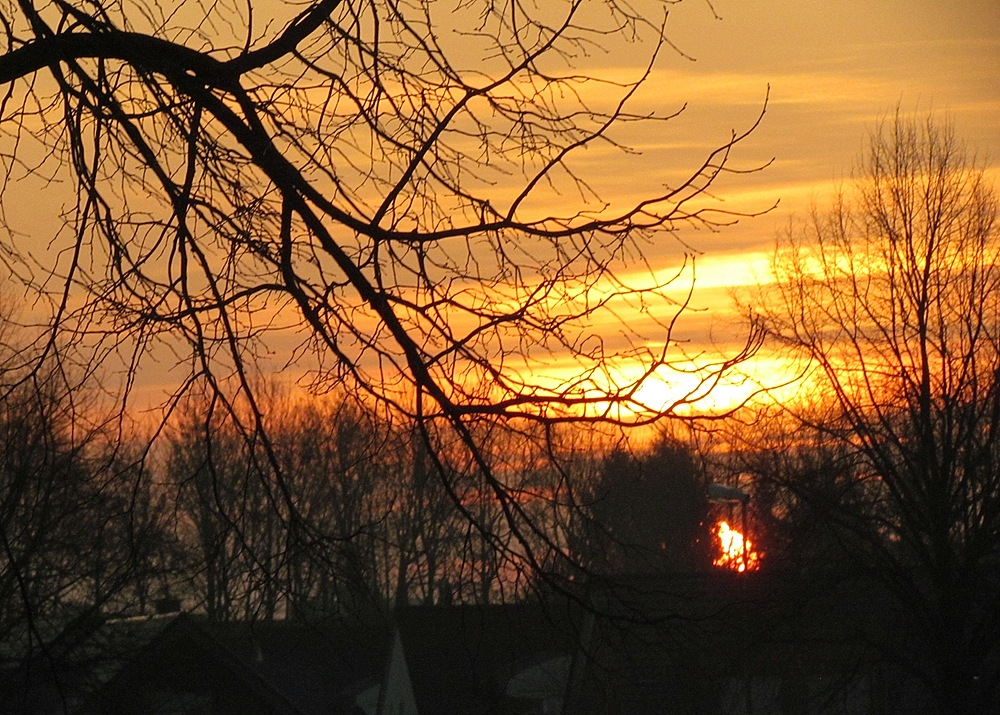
(833, 69)
(830, 70)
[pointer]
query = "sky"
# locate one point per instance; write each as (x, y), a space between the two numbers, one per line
(830, 70)
(833, 69)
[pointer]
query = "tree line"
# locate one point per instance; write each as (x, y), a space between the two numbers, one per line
(95, 522)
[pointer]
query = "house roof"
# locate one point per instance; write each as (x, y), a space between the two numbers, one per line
(461, 658)
(319, 667)
(672, 642)
(183, 666)
(645, 644)
(185, 661)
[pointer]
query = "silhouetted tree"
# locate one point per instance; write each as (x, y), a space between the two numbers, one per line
(425, 528)
(247, 557)
(80, 531)
(893, 300)
(646, 513)
(342, 467)
(398, 180)
(794, 474)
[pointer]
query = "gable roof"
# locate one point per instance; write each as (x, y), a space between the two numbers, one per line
(462, 658)
(321, 668)
(183, 666)
(186, 662)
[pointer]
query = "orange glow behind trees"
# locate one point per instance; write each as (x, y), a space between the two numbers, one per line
(735, 551)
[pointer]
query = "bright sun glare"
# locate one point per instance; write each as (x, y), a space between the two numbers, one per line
(736, 552)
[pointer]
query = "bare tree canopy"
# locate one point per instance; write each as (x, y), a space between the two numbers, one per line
(352, 167)
(389, 196)
(893, 298)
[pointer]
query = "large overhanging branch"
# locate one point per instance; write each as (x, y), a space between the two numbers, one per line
(340, 173)
(214, 86)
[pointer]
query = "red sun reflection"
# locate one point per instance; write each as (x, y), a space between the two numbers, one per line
(735, 552)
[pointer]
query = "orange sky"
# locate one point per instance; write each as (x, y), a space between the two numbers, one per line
(832, 70)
